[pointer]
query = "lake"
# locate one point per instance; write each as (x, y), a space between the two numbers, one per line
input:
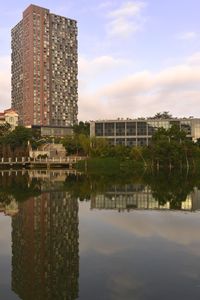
(66, 236)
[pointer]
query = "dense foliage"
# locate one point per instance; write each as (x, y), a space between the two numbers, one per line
(14, 143)
(169, 148)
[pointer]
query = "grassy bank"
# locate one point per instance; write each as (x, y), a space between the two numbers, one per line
(109, 165)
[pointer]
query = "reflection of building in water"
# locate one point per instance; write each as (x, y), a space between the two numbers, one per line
(45, 259)
(139, 197)
(51, 180)
(51, 175)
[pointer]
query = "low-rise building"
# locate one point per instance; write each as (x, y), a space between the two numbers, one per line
(138, 132)
(9, 116)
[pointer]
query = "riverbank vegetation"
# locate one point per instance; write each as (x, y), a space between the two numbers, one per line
(168, 149)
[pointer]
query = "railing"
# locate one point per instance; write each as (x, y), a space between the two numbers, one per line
(28, 160)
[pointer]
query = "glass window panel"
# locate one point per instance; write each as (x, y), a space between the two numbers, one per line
(141, 128)
(141, 141)
(131, 128)
(120, 128)
(120, 141)
(109, 129)
(186, 126)
(99, 129)
(131, 142)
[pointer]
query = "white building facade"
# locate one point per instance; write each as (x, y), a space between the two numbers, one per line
(138, 132)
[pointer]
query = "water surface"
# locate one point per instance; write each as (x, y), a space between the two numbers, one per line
(92, 237)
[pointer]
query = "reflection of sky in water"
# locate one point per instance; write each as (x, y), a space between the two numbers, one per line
(5, 259)
(139, 255)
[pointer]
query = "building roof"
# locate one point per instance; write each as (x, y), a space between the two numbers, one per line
(10, 111)
(144, 120)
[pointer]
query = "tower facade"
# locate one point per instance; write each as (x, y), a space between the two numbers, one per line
(45, 69)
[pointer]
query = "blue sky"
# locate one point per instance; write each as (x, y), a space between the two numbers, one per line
(135, 57)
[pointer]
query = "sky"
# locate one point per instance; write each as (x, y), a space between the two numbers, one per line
(136, 58)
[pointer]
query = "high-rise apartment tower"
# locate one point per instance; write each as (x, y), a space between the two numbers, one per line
(44, 69)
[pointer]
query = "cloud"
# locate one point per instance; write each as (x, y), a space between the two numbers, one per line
(126, 19)
(5, 85)
(175, 89)
(178, 228)
(101, 64)
(194, 59)
(189, 35)
(128, 9)
(105, 5)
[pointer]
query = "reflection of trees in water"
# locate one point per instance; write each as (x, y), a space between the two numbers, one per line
(45, 259)
(165, 187)
(86, 186)
(45, 231)
(17, 186)
(171, 187)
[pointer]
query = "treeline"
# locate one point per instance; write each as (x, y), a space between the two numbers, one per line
(169, 148)
(14, 143)
(18, 187)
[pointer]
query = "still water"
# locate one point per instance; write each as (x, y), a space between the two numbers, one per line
(71, 236)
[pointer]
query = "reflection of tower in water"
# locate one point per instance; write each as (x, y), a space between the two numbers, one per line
(45, 253)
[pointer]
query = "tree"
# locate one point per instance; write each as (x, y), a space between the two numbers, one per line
(18, 137)
(82, 128)
(5, 128)
(136, 153)
(72, 145)
(162, 115)
(99, 147)
(84, 142)
(171, 147)
(15, 143)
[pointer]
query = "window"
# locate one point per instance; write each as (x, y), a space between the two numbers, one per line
(99, 129)
(120, 128)
(131, 142)
(120, 141)
(141, 141)
(185, 126)
(131, 128)
(141, 128)
(109, 129)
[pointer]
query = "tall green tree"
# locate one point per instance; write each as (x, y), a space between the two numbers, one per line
(5, 128)
(82, 128)
(162, 115)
